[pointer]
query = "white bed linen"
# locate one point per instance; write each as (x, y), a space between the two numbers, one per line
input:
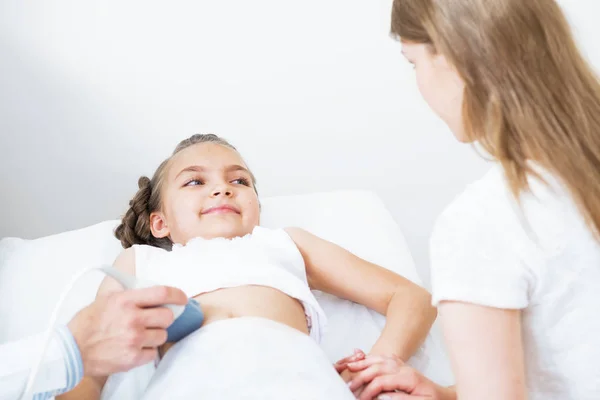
(246, 358)
(33, 273)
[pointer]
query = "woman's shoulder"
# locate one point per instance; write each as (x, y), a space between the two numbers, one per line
(485, 222)
(481, 203)
(486, 216)
(478, 252)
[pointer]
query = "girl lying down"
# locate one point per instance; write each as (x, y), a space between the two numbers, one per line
(195, 226)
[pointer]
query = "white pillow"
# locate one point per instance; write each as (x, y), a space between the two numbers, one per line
(33, 273)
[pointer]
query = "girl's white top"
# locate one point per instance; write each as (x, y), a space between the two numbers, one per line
(266, 257)
(539, 257)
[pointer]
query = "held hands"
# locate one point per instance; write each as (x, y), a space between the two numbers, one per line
(123, 330)
(342, 368)
(388, 378)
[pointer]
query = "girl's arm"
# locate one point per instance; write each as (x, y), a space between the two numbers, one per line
(407, 306)
(90, 388)
(486, 350)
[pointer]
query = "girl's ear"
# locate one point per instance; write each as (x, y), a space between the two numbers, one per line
(158, 225)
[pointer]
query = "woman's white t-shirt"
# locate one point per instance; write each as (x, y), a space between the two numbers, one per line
(539, 257)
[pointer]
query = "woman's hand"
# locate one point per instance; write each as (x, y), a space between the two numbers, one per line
(387, 377)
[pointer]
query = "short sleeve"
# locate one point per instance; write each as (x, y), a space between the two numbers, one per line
(473, 257)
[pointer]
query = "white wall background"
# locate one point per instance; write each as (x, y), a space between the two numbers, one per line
(314, 93)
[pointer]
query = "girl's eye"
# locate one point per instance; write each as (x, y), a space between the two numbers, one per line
(194, 182)
(242, 181)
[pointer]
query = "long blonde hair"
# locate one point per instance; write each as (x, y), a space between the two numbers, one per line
(529, 92)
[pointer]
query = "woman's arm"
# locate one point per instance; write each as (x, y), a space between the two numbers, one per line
(407, 306)
(90, 388)
(487, 358)
(486, 351)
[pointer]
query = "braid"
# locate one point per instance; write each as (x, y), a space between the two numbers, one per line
(135, 225)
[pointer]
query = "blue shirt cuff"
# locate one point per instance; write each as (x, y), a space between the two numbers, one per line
(72, 359)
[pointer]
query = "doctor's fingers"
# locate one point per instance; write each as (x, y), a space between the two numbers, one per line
(153, 296)
(159, 317)
(153, 338)
(135, 340)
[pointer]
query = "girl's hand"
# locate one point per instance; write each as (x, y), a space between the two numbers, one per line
(342, 368)
(387, 377)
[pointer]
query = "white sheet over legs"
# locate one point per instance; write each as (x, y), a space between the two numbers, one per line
(246, 358)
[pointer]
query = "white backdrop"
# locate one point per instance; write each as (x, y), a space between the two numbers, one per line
(314, 93)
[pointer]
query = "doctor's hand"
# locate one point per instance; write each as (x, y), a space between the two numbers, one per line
(124, 329)
(388, 378)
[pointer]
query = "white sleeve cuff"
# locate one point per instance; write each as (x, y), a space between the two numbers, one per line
(500, 297)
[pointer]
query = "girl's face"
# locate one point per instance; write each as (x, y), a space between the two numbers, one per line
(439, 84)
(208, 192)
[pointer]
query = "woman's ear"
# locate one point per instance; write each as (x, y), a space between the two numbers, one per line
(445, 68)
(158, 225)
(441, 62)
